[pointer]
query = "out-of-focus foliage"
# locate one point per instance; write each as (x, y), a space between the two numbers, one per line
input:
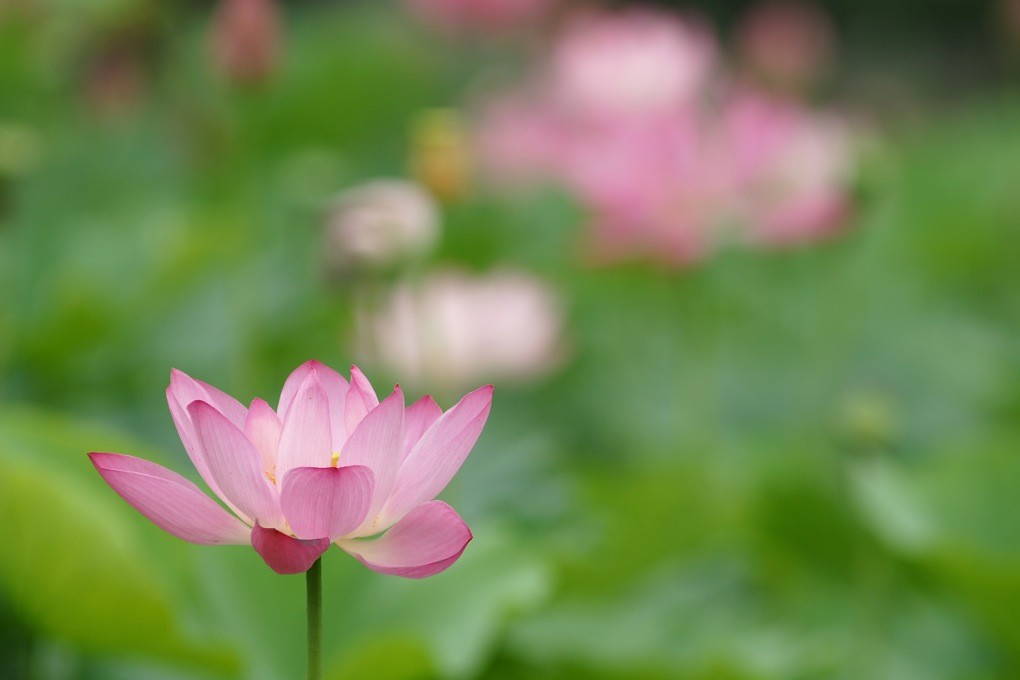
(772, 465)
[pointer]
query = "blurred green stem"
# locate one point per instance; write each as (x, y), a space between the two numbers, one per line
(314, 582)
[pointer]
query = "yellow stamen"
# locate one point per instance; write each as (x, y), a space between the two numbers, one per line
(271, 475)
(336, 459)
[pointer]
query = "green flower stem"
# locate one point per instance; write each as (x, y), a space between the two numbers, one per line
(314, 582)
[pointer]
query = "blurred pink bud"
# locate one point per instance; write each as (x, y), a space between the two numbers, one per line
(1008, 22)
(455, 328)
(792, 168)
(787, 44)
(485, 15)
(631, 62)
(116, 77)
(379, 224)
(332, 464)
(245, 40)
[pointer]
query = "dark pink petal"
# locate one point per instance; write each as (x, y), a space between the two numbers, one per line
(285, 554)
(169, 500)
(438, 455)
(326, 502)
(361, 399)
(376, 443)
(425, 542)
(417, 419)
(262, 427)
(236, 465)
(305, 440)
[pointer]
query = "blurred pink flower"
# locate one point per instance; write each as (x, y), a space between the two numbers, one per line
(791, 168)
(786, 44)
(456, 328)
(331, 465)
(487, 15)
(630, 62)
(245, 40)
(634, 118)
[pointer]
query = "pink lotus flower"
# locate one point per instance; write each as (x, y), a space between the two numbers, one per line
(633, 115)
(331, 465)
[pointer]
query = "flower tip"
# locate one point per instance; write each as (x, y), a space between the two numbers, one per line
(101, 459)
(198, 405)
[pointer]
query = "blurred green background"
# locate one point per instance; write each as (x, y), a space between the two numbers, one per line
(771, 465)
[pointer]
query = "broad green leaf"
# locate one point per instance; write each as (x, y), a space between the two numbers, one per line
(74, 565)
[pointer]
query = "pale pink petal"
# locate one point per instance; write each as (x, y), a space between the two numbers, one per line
(438, 455)
(418, 418)
(332, 382)
(428, 540)
(285, 554)
(305, 440)
(376, 443)
(262, 427)
(326, 502)
(236, 465)
(186, 390)
(292, 385)
(361, 399)
(169, 500)
(336, 394)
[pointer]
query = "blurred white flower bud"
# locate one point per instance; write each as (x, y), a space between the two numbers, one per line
(457, 329)
(380, 223)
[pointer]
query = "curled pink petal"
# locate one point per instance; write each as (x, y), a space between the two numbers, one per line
(425, 542)
(305, 440)
(438, 455)
(326, 502)
(186, 389)
(235, 464)
(169, 500)
(285, 554)
(361, 399)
